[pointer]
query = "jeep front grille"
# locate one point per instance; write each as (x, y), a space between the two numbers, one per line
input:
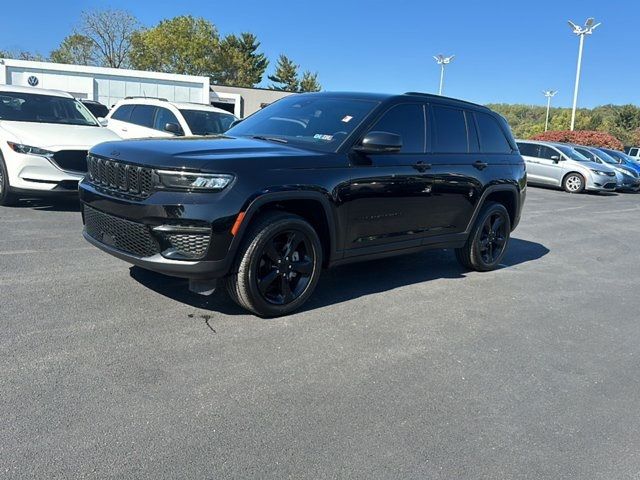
(130, 237)
(120, 178)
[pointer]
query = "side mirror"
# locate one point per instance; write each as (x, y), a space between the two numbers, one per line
(174, 128)
(103, 121)
(556, 158)
(380, 142)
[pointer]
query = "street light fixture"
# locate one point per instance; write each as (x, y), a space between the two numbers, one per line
(442, 61)
(587, 29)
(549, 94)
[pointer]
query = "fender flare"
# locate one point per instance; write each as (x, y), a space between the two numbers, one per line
(483, 199)
(274, 197)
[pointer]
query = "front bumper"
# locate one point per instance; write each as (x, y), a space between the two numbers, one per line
(139, 231)
(34, 173)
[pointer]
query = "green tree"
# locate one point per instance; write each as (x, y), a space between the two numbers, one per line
(75, 49)
(111, 32)
(22, 55)
(239, 62)
(286, 75)
(309, 82)
(184, 44)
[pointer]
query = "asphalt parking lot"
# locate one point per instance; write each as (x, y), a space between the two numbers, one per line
(399, 368)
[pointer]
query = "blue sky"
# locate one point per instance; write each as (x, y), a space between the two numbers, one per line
(506, 51)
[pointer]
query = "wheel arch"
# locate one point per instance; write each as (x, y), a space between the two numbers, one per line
(314, 207)
(506, 195)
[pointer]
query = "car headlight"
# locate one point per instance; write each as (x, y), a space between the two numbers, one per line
(599, 172)
(29, 150)
(192, 181)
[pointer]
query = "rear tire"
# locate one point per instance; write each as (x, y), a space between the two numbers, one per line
(487, 243)
(7, 197)
(277, 267)
(573, 183)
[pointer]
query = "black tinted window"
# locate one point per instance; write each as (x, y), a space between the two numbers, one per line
(164, 116)
(143, 115)
(547, 152)
(123, 113)
(529, 149)
(450, 130)
(406, 121)
(97, 109)
(492, 139)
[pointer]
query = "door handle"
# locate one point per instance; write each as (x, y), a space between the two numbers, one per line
(422, 166)
(480, 165)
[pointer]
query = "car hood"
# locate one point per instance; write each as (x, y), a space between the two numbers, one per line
(56, 137)
(201, 153)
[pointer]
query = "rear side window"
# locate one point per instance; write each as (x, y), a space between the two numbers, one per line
(492, 138)
(143, 115)
(123, 113)
(450, 130)
(633, 152)
(406, 120)
(529, 149)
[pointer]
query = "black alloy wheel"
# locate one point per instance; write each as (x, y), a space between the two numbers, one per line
(493, 237)
(285, 267)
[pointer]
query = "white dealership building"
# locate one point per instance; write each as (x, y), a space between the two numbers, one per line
(108, 85)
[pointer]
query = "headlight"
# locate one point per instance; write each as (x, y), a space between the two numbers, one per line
(28, 150)
(192, 181)
(599, 172)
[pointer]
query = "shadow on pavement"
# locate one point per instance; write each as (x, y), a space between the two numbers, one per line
(66, 203)
(348, 282)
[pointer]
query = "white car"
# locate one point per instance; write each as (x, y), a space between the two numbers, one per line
(143, 117)
(44, 139)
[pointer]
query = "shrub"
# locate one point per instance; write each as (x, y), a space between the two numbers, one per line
(581, 137)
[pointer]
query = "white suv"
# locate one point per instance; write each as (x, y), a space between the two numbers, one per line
(136, 117)
(44, 139)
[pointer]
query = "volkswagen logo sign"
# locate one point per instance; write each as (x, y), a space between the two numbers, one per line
(33, 81)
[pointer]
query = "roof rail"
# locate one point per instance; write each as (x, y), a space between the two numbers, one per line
(432, 95)
(149, 98)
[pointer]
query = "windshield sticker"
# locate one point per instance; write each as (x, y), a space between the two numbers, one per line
(347, 119)
(320, 136)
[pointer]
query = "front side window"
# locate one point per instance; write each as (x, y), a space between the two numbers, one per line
(548, 153)
(143, 115)
(164, 116)
(406, 121)
(633, 152)
(492, 138)
(450, 130)
(203, 122)
(316, 122)
(32, 107)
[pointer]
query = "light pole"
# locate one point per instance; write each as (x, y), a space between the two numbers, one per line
(587, 29)
(442, 61)
(549, 94)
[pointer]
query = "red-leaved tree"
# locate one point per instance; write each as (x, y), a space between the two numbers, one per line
(581, 137)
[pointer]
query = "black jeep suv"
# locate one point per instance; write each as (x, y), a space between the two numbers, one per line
(311, 181)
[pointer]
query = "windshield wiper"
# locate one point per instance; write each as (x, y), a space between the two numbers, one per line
(269, 139)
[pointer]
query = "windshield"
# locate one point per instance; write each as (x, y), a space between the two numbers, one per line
(204, 122)
(32, 107)
(317, 122)
(605, 157)
(572, 154)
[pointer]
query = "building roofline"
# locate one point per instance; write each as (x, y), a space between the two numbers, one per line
(121, 72)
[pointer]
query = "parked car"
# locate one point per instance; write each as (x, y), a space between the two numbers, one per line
(559, 165)
(623, 158)
(311, 181)
(153, 117)
(628, 179)
(44, 139)
(98, 110)
(634, 153)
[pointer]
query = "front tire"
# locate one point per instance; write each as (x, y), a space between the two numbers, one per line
(488, 240)
(7, 197)
(278, 265)
(574, 183)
